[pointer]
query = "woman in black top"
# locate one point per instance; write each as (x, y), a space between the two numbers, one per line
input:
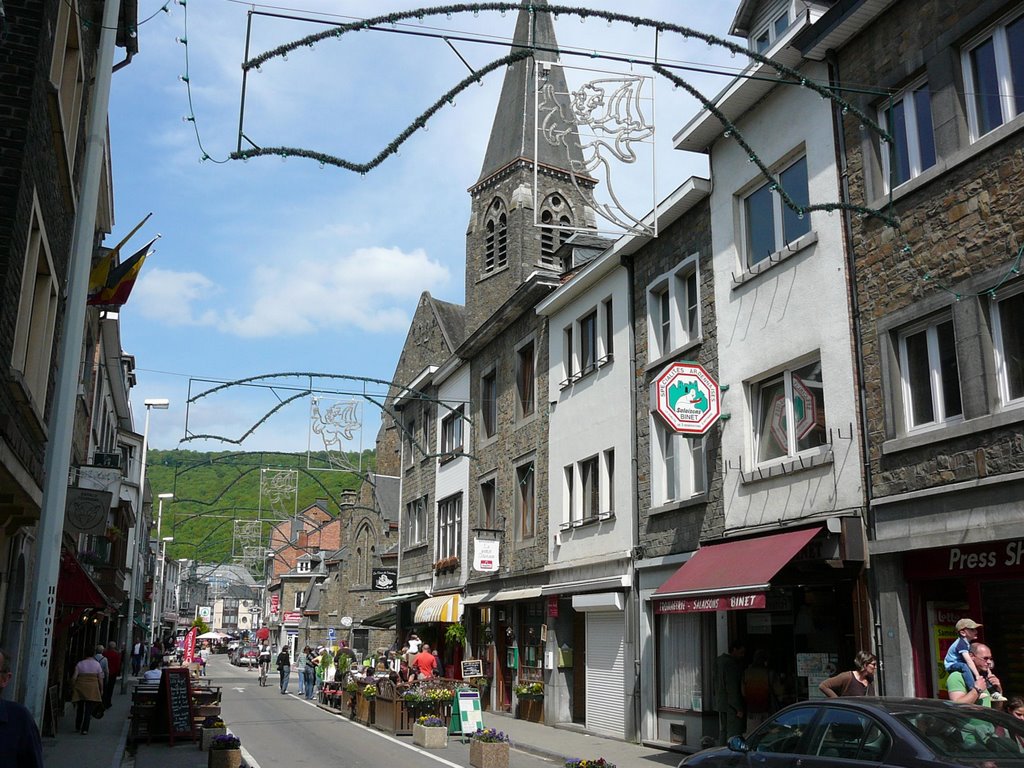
(284, 667)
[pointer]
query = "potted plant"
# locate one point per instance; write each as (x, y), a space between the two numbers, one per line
(225, 752)
(589, 763)
(430, 731)
(364, 704)
(530, 702)
(530, 691)
(488, 748)
(212, 726)
(455, 634)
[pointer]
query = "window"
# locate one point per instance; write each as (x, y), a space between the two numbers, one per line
(679, 466)
(994, 77)
(425, 441)
(300, 598)
(37, 314)
(416, 521)
(568, 353)
(588, 343)
(556, 227)
(766, 36)
(909, 120)
(784, 734)
(770, 223)
(609, 331)
(496, 244)
(489, 403)
(303, 566)
(570, 492)
(673, 308)
(789, 413)
(1008, 338)
(526, 508)
(526, 384)
(590, 487)
(930, 375)
(67, 75)
(678, 658)
(410, 442)
(849, 736)
(449, 526)
(609, 473)
(488, 497)
(451, 431)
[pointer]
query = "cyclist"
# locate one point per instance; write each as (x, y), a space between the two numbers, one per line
(264, 663)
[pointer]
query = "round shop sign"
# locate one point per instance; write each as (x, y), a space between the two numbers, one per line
(687, 398)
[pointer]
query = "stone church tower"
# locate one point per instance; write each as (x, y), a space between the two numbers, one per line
(504, 245)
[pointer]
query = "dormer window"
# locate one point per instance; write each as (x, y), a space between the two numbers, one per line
(496, 245)
(304, 566)
(766, 36)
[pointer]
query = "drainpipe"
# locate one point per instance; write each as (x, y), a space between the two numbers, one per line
(57, 459)
(858, 357)
(634, 614)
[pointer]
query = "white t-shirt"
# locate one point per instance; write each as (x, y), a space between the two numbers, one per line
(204, 654)
(414, 646)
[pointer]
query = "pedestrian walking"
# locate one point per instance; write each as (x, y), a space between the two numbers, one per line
(138, 651)
(728, 692)
(113, 657)
(87, 691)
(856, 682)
(20, 746)
(284, 667)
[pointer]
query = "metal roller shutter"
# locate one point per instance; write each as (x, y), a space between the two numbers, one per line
(606, 673)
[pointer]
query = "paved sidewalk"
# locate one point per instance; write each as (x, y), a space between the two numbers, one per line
(101, 748)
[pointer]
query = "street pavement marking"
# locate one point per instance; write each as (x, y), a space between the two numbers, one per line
(387, 737)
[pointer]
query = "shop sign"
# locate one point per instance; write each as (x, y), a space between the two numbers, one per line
(485, 555)
(553, 606)
(385, 579)
(966, 560)
(292, 618)
(744, 601)
(687, 398)
(275, 603)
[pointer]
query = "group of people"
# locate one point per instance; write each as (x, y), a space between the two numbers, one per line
(93, 683)
(743, 699)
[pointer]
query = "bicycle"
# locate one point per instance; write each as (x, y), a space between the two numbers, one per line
(264, 668)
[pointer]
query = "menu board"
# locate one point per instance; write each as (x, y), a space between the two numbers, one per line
(174, 702)
(472, 668)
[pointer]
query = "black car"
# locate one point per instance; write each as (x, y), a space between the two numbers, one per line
(862, 731)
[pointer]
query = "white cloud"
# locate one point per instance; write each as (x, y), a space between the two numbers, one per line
(168, 296)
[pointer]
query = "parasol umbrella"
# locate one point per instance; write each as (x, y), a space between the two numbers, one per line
(262, 633)
(212, 636)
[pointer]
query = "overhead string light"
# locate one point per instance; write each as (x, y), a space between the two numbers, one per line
(191, 116)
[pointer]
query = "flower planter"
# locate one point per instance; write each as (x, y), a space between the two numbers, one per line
(488, 755)
(206, 736)
(364, 710)
(531, 708)
(431, 738)
(224, 758)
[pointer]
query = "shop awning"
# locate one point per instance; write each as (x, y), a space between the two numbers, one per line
(443, 608)
(731, 575)
(383, 620)
(503, 596)
(400, 598)
(75, 587)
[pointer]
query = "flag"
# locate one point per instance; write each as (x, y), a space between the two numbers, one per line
(110, 285)
(190, 645)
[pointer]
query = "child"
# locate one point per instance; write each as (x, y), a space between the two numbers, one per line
(958, 657)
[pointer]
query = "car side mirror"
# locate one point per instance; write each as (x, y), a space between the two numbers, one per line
(737, 744)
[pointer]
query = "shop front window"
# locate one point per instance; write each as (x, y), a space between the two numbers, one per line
(679, 668)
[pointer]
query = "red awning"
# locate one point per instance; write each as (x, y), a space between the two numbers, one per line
(734, 574)
(75, 587)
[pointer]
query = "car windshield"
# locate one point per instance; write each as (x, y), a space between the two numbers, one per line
(970, 735)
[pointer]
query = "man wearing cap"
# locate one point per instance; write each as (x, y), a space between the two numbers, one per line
(958, 657)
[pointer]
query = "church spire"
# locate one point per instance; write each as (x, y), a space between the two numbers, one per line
(513, 133)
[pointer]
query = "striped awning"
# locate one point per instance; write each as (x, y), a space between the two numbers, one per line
(443, 608)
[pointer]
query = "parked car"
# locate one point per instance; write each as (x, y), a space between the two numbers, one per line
(861, 731)
(246, 656)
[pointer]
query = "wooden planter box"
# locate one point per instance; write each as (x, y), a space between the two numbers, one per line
(224, 758)
(206, 736)
(431, 738)
(484, 754)
(364, 709)
(531, 709)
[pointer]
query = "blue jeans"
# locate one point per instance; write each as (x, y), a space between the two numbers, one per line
(309, 680)
(285, 674)
(963, 669)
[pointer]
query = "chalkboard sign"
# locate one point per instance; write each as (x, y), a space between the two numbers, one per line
(174, 702)
(472, 668)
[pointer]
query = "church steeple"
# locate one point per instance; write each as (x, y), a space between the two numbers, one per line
(518, 218)
(513, 133)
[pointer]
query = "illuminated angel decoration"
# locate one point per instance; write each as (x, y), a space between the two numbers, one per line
(336, 426)
(609, 112)
(278, 486)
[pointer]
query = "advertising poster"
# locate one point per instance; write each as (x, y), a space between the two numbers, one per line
(942, 619)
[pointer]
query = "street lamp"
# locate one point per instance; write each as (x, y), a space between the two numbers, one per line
(161, 404)
(161, 549)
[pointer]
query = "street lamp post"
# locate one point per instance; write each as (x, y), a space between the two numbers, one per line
(161, 404)
(161, 551)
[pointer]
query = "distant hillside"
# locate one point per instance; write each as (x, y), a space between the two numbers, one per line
(212, 490)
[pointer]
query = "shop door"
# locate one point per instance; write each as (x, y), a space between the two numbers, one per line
(606, 706)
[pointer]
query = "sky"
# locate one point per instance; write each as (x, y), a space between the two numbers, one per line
(282, 266)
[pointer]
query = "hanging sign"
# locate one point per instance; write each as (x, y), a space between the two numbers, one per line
(86, 511)
(687, 398)
(485, 555)
(384, 579)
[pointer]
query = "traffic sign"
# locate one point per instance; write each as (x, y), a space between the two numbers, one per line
(687, 398)
(330, 633)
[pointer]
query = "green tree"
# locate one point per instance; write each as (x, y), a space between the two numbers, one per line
(202, 625)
